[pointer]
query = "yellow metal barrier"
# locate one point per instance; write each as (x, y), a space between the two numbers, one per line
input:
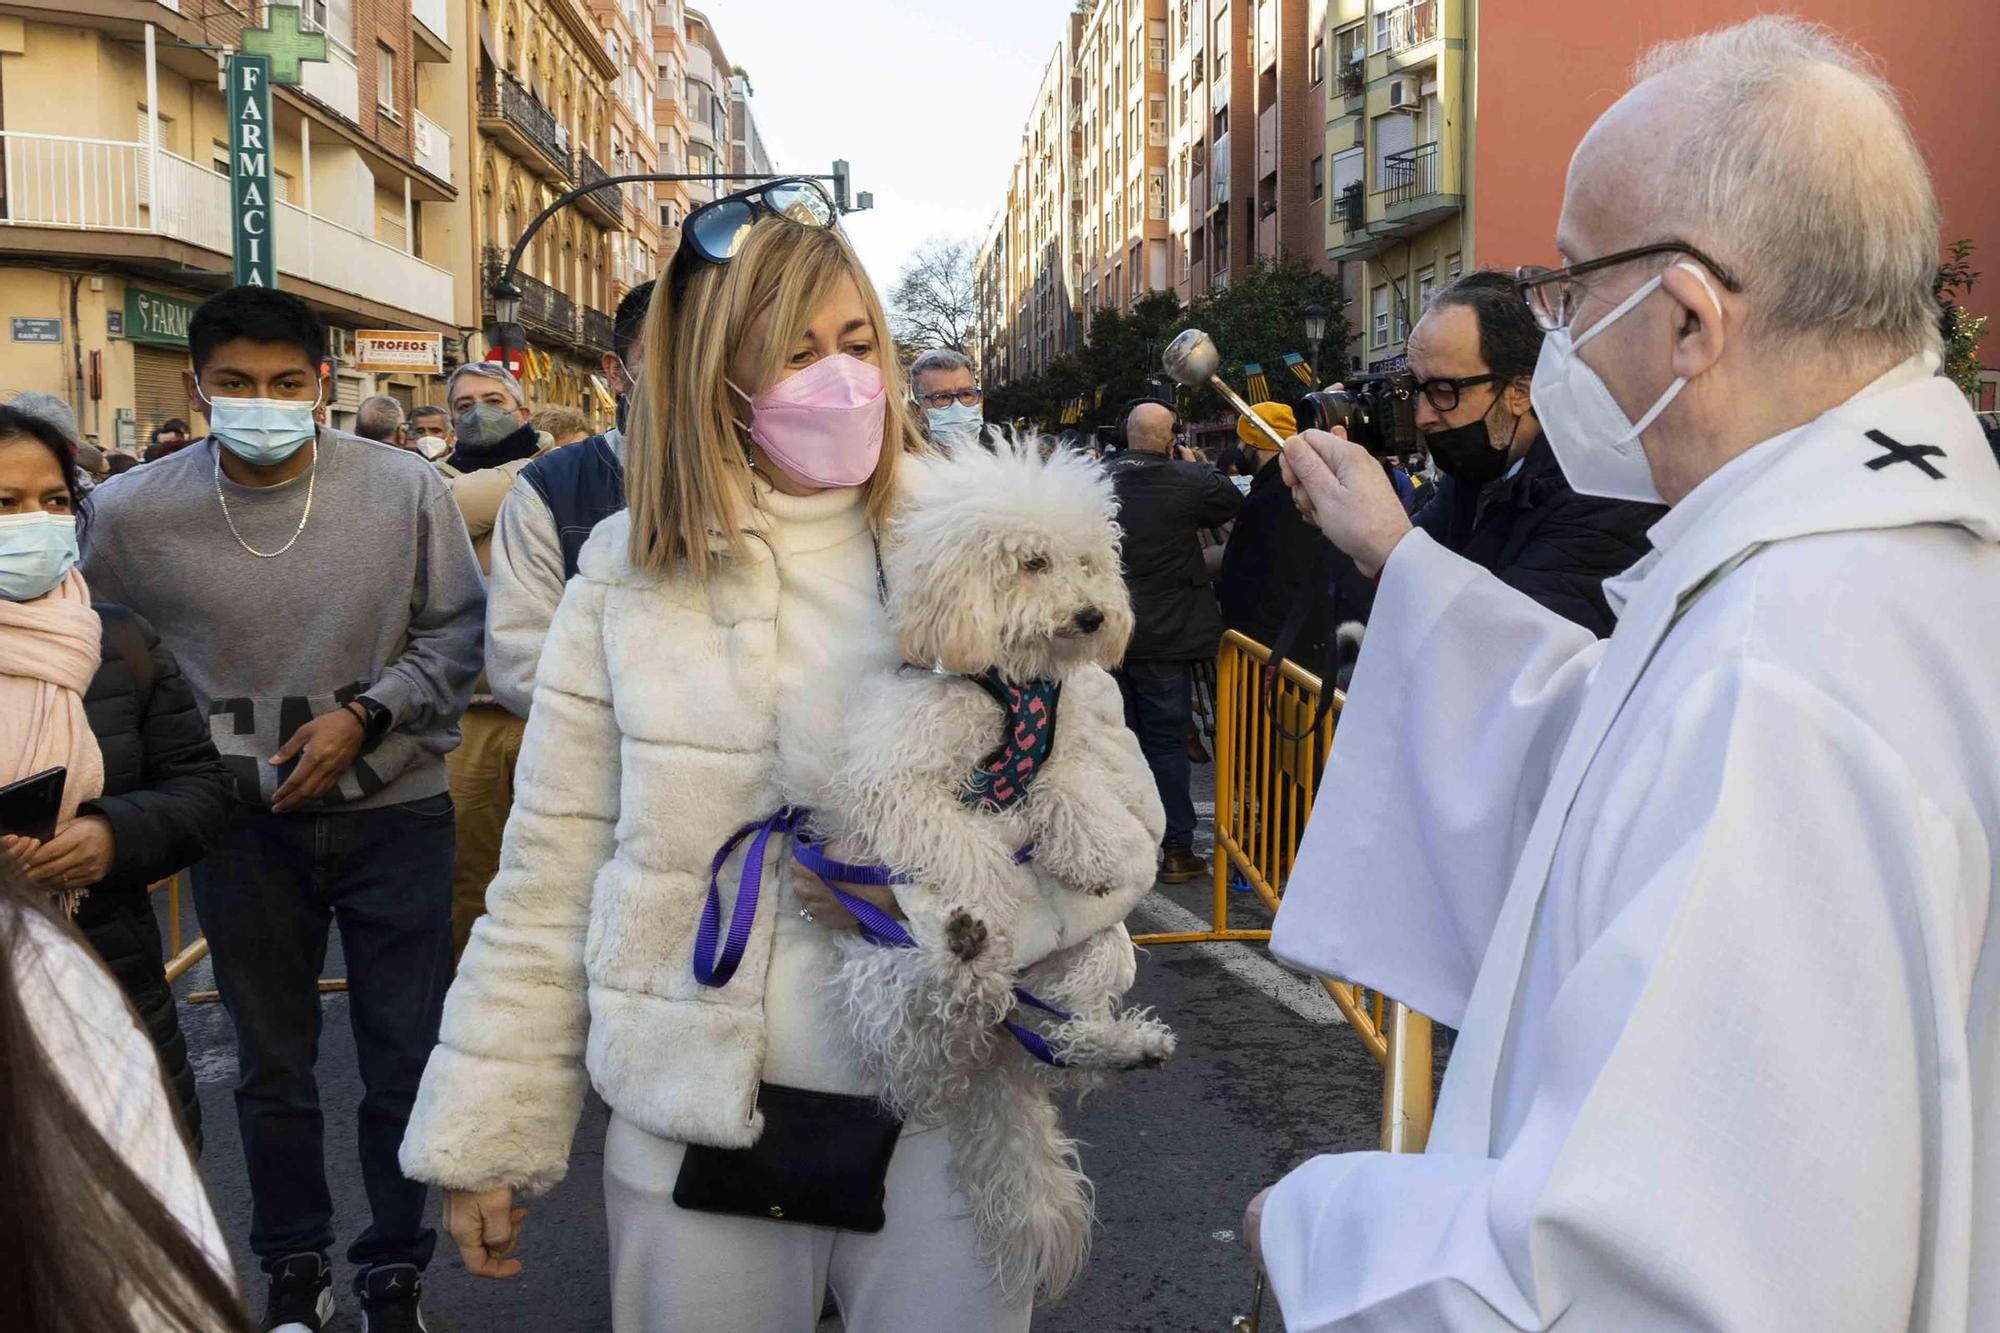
(181, 957)
(1264, 786)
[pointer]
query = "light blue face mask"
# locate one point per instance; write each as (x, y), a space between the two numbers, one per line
(36, 550)
(261, 431)
(957, 420)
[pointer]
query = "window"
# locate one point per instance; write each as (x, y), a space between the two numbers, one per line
(1427, 281)
(1221, 230)
(1318, 65)
(1156, 194)
(335, 18)
(1451, 266)
(1319, 178)
(385, 78)
(1349, 46)
(1221, 121)
(1156, 47)
(1394, 133)
(1384, 18)
(218, 157)
(1399, 305)
(1378, 317)
(1156, 120)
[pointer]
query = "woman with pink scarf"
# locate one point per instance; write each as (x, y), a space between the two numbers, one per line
(90, 689)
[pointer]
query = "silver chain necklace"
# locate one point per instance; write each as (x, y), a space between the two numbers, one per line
(312, 478)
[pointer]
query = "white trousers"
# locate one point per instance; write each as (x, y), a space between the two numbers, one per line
(674, 1271)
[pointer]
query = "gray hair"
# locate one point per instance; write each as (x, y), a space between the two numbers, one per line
(377, 418)
(1800, 168)
(49, 408)
(486, 370)
(942, 359)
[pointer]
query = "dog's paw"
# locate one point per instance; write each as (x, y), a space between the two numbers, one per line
(965, 936)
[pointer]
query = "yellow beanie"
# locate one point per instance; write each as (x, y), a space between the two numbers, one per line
(1277, 415)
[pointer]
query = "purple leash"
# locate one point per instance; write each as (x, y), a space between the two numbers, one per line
(877, 926)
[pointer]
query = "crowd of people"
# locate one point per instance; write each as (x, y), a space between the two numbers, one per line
(1671, 717)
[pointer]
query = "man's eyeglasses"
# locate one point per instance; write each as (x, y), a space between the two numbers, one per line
(1553, 292)
(1443, 392)
(943, 398)
(715, 231)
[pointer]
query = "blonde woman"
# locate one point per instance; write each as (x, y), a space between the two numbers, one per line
(690, 686)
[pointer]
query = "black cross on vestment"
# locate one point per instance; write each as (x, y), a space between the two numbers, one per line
(1913, 454)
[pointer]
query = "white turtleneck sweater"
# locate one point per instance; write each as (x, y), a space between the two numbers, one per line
(832, 631)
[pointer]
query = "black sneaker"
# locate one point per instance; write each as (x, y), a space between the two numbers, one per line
(389, 1300)
(300, 1297)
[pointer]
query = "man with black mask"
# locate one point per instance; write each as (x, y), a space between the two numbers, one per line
(1501, 500)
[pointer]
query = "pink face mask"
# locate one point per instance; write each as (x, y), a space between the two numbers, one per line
(824, 424)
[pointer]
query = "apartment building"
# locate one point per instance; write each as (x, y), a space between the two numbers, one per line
(1248, 171)
(627, 35)
(543, 85)
(705, 94)
(1398, 141)
(115, 203)
(992, 331)
(747, 154)
(1121, 64)
(670, 117)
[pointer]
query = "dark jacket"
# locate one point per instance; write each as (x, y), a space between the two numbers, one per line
(582, 485)
(1273, 554)
(166, 797)
(1540, 536)
(1162, 506)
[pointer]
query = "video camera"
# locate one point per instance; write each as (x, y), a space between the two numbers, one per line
(1377, 411)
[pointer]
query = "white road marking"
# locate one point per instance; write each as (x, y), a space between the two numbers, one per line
(1250, 964)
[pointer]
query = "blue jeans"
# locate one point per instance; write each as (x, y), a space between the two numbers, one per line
(1159, 708)
(266, 895)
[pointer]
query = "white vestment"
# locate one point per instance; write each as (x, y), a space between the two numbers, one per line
(1711, 902)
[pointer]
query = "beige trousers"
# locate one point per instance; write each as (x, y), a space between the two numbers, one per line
(481, 773)
(674, 1271)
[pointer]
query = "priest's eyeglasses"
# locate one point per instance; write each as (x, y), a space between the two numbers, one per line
(1553, 293)
(970, 396)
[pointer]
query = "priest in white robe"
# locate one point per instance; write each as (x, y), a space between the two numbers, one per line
(1712, 902)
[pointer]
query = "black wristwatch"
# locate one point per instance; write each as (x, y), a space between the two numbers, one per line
(377, 722)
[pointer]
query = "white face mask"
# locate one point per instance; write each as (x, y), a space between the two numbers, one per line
(1597, 446)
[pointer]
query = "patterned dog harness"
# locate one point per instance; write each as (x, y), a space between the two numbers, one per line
(1028, 734)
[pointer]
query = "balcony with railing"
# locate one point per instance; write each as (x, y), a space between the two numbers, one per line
(1418, 190)
(1350, 208)
(433, 146)
(1413, 25)
(103, 185)
(544, 310)
(1411, 174)
(510, 113)
(597, 327)
(1354, 80)
(604, 204)
(433, 30)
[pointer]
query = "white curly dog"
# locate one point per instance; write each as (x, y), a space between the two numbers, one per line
(1002, 732)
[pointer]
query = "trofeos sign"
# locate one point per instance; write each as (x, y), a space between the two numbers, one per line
(253, 211)
(389, 351)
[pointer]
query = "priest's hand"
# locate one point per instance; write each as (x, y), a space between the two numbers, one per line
(1344, 491)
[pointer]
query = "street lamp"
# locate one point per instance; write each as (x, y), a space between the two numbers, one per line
(1314, 315)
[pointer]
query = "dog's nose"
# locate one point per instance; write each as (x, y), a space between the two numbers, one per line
(1089, 620)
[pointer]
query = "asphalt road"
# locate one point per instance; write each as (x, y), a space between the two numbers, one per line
(1266, 1075)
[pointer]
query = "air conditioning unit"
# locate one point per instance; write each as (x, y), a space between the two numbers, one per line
(1403, 95)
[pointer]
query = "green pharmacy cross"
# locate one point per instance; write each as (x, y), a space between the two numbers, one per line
(287, 44)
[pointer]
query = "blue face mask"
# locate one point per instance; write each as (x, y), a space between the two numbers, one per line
(261, 431)
(36, 550)
(958, 419)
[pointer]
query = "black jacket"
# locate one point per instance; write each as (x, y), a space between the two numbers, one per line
(166, 797)
(1162, 505)
(1274, 554)
(1540, 536)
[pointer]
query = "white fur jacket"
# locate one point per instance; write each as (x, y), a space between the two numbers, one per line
(652, 739)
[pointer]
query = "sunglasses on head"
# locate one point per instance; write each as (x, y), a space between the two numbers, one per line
(714, 232)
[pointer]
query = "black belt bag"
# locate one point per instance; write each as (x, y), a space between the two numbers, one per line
(823, 1160)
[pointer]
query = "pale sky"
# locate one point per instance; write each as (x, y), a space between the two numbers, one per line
(926, 101)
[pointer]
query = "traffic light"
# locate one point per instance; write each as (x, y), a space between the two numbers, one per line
(840, 185)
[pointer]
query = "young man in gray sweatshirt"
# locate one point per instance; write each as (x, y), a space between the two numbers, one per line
(322, 598)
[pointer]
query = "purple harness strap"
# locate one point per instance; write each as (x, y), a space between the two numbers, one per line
(877, 926)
